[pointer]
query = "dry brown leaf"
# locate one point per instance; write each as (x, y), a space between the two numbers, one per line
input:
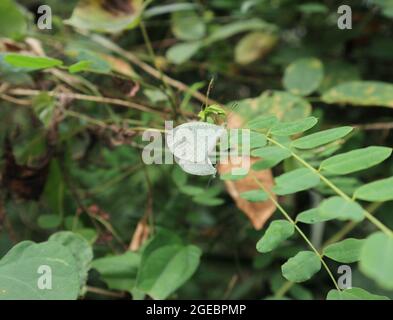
(119, 65)
(257, 212)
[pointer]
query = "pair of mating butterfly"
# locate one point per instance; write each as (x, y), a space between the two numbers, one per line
(192, 143)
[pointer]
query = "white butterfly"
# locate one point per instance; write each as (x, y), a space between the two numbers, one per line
(192, 143)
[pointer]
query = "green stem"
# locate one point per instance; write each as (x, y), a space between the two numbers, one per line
(332, 186)
(287, 216)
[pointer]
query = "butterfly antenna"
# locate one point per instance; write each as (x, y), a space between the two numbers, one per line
(209, 89)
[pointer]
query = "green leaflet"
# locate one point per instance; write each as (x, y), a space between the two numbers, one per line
(295, 181)
(361, 93)
(312, 216)
(376, 259)
(346, 251)
(356, 160)
(276, 233)
(303, 76)
(381, 190)
(321, 138)
(262, 122)
(353, 294)
(31, 63)
(254, 195)
(294, 127)
(270, 155)
(341, 209)
(301, 267)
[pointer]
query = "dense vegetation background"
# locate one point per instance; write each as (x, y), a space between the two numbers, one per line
(70, 138)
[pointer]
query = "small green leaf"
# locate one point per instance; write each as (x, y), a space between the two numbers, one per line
(295, 181)
(303, 76)
(165, 269)
(191, 190)
(254, 46)
(341, 209)
(353, 294)
(346, 251)
(376, 259)
(361, 93)
(257, 140)
(311, 216)
(31, 63)
(207, 201)
(84, 65)
(49, 221)
(271, 156)
(262, 122)
(239, 174)
(381, 190)
(254, 195)
(321, 138)
(119, 271)
(301, 267)
(294, 127)
(276, 233)
(183, 52)
(188, 25)
(356, 160)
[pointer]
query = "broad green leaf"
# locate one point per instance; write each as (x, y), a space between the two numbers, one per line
(376, 259)
(295, 181)
(49, 221)
(294, 127)
(303, 76)
(381, 190)
(31, 63)
(112, 17)
(271, 156)
(321, 138)
(341, 209)
(188, 25)
(356, 160)
(346, 251)
(262, 122)
(19, 272)
(276, 233)
(254, 195)
(312, 216)
(120, 271)
(361, 93)
(182, 52)
(301, 267)
(353, 294)
(254, 46)
(12, 21)
(79, 248)
(166, 269)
